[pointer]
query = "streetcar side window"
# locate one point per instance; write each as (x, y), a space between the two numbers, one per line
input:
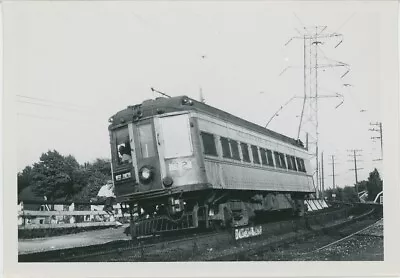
(303, 167)
(277, 160)
(283, 162)
(263, 154)
(209, 144)
(300, 163)
(234, 149)
(289, 162)
(226, 151)
(256, 158)
(270, 159)
(245, 152)
(293, 163)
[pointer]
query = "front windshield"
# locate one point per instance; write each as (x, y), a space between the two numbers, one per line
(146, 140)
(123, 146)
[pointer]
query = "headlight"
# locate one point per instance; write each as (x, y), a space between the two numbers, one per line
(146, 174)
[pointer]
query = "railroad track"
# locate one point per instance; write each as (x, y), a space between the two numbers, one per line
(276, 245)
(360, 232)
(84, 252)
(200, 246)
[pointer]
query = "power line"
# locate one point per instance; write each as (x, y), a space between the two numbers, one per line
(50, 105)
(58, 119)
(301, 22)
(49, 101)
(344, 23)
(42, 117)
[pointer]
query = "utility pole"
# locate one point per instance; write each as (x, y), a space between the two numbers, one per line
(379, 130)
(322, 176)
(333, 171)
(355, 155)
(314, 38)
(319, 181)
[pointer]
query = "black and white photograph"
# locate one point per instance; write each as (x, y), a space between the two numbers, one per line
(200, 131)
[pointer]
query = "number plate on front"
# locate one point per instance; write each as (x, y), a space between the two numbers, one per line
(180, 165)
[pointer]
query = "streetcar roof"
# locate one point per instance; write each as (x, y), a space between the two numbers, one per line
(164, 105)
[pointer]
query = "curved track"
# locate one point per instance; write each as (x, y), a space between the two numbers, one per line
(205, 245)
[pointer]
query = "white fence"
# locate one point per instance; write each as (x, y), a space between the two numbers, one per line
(49, 219)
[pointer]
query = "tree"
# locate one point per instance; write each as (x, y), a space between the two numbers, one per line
(350, 195)
(345, 194)
(97, 173)
(62, 177)
(56, 176)
(24, 178)
(374, 184)
(361, 186)
(101, 165)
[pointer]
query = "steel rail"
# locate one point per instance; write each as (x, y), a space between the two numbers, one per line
(342, 239)
(85, 252)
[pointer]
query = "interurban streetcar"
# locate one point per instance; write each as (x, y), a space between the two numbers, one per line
(178, 164)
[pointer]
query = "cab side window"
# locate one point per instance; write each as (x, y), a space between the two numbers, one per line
(208, 144)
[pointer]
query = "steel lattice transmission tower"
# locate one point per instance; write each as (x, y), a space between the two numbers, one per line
(314, 59)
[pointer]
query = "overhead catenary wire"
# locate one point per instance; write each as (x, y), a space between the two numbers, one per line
(346, 21)
(65, 104)
(40, 117)
(50, 105)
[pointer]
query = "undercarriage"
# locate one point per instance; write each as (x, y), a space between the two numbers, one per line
(209, 209)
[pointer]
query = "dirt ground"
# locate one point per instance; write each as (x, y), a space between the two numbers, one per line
(358, 248)
(365, 246)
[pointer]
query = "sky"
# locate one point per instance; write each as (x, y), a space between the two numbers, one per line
(77, 63)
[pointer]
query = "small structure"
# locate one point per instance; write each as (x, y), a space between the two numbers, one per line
(363, 196)
(29, 194)
(379, 198)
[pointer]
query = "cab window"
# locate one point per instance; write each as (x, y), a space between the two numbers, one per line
(123, 146)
